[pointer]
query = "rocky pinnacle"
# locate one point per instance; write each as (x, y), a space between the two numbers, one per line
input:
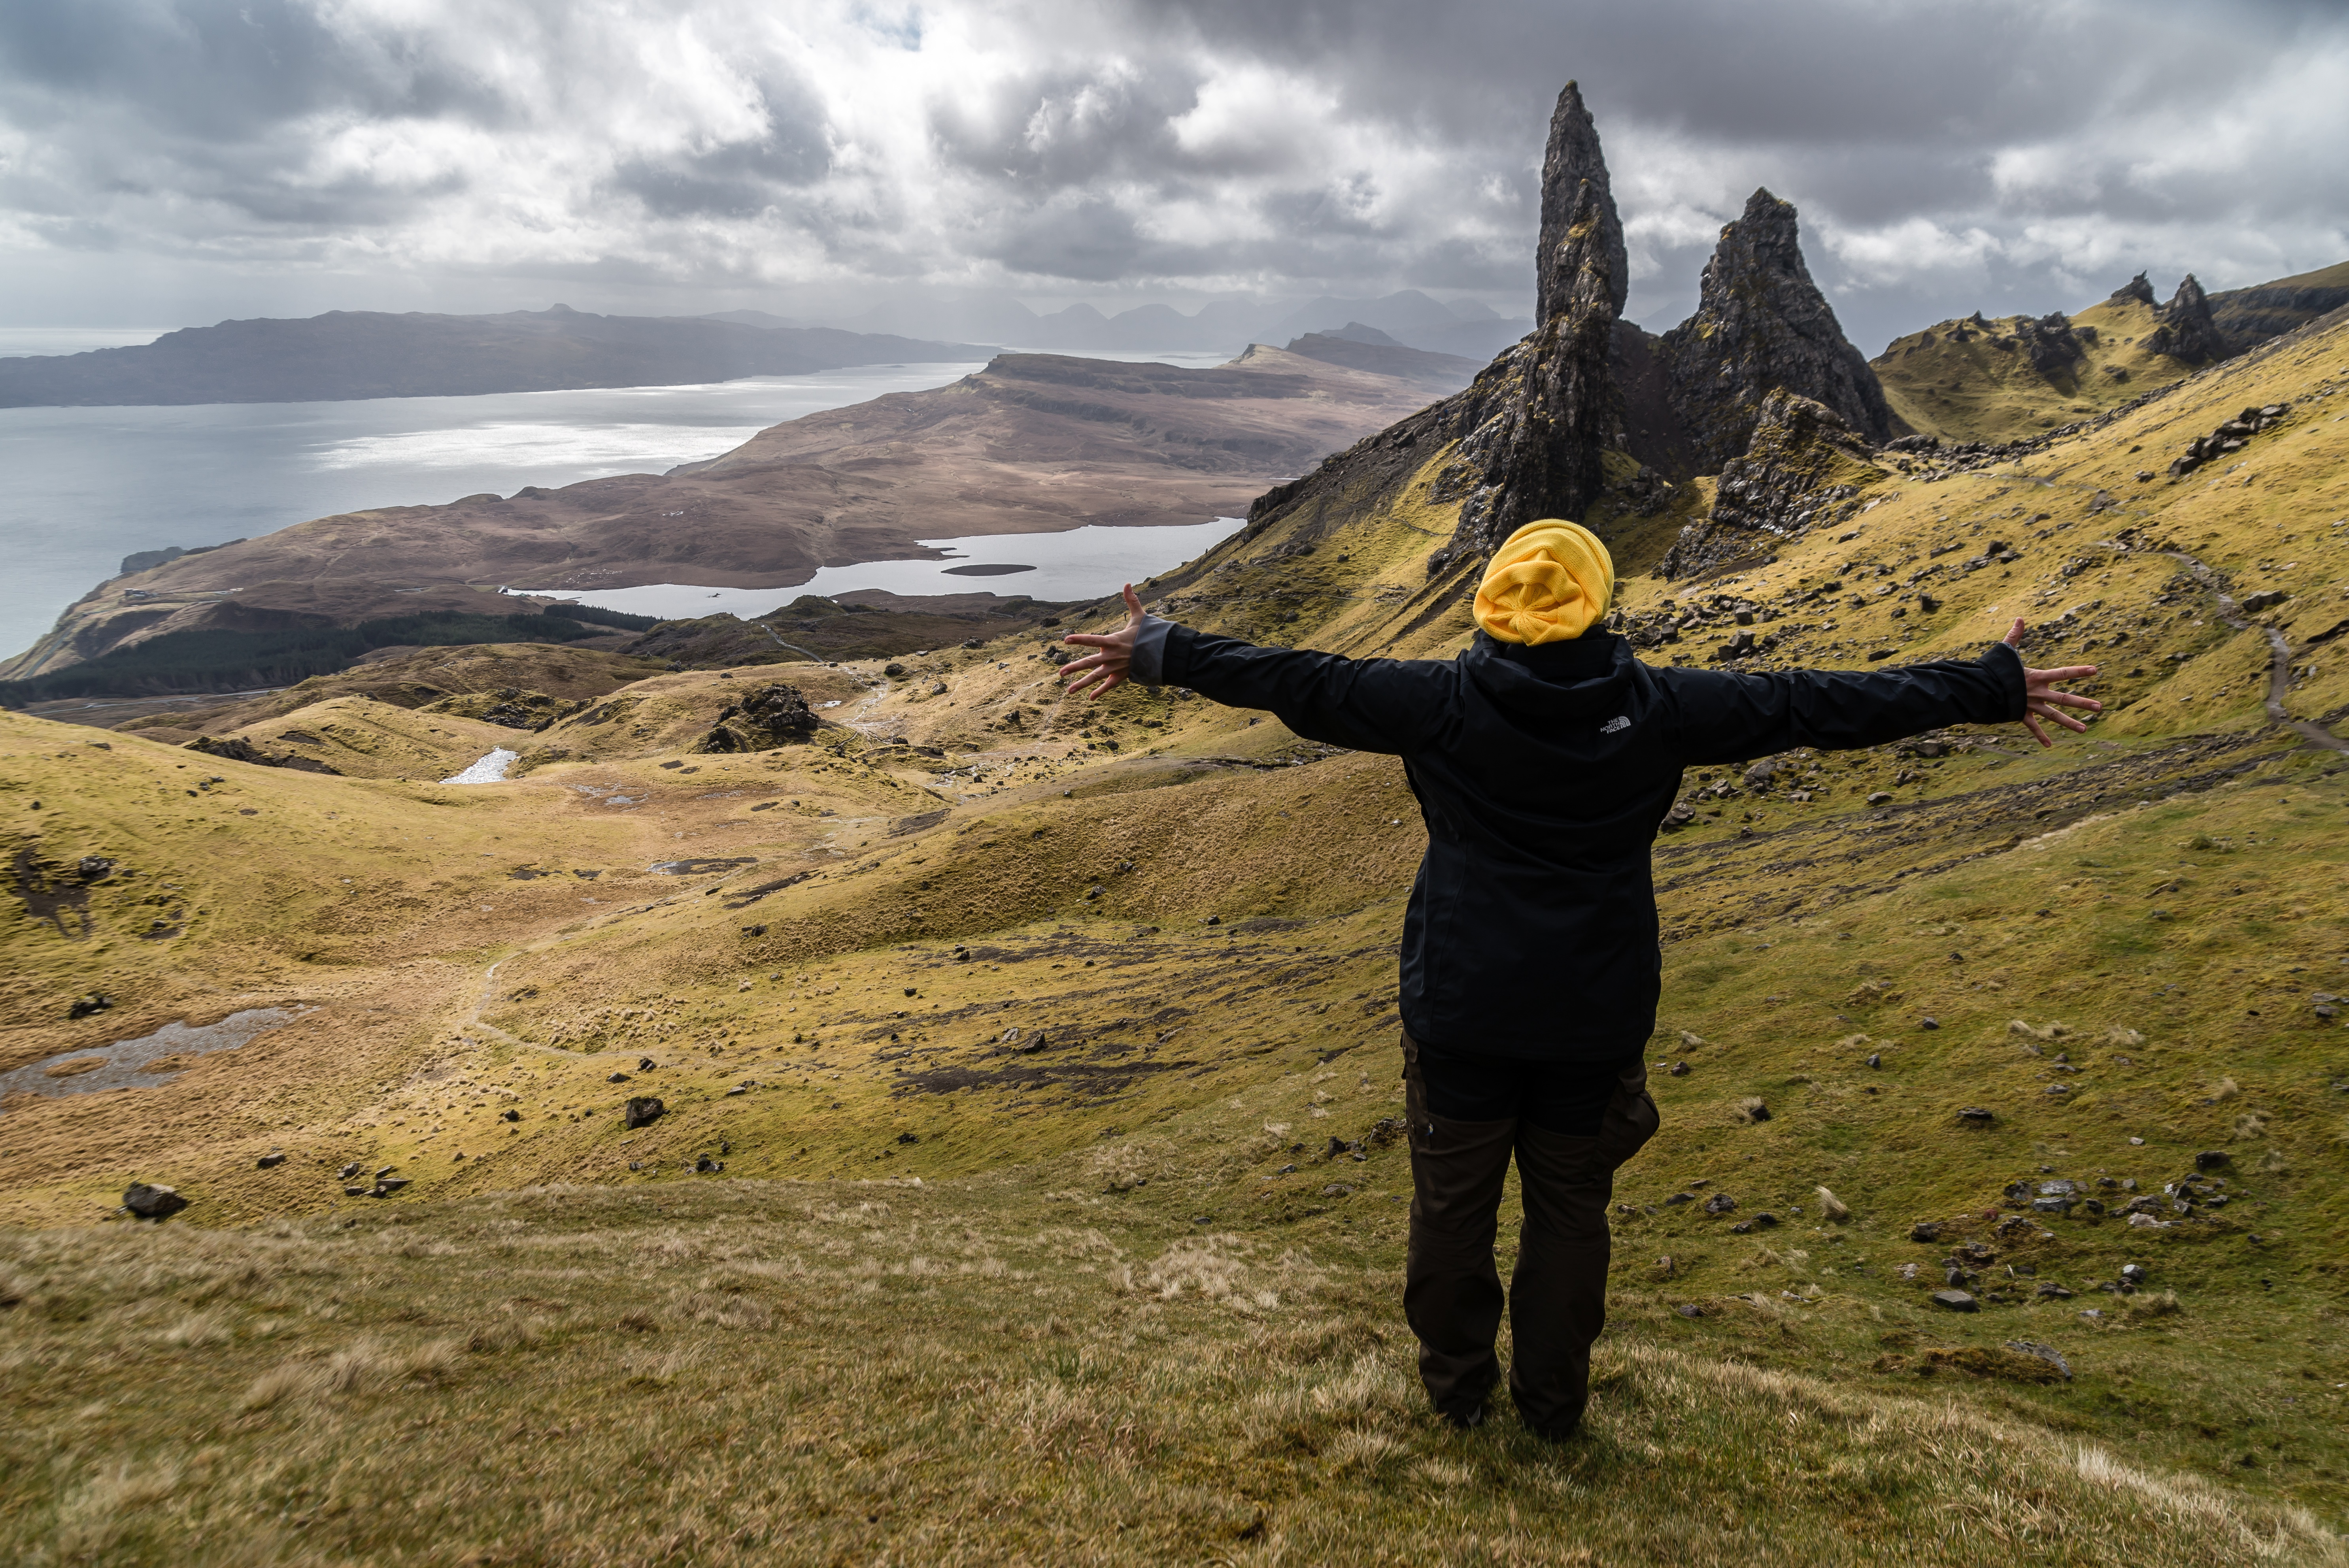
(1572, 163)
(2186, 331)
(1761, 326)
(1536, 428)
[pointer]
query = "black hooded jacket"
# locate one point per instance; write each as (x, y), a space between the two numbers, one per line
(1543, 774)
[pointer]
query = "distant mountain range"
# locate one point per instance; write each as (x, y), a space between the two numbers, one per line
(371, 354)
(345, 354)
(1408, 318)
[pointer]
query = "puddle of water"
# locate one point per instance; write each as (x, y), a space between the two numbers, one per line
(489, 769)
(118, 1066)
(1075, 564)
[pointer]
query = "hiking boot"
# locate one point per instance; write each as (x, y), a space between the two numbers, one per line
(1469, 1419)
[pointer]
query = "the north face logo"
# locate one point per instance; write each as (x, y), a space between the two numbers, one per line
(1614, 724)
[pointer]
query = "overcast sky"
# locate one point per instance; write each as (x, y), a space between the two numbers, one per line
(175, 161)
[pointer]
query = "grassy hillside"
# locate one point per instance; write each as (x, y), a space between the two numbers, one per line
(1016, 1033)
(1977, 380)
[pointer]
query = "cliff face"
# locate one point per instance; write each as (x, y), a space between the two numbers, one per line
(2251, 316)
(1761, 326)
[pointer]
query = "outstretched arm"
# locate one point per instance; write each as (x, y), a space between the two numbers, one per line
(1363, 705)
(2042, 700)
(1728, 717)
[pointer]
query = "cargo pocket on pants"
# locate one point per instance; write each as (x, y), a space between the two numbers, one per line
(1630, 1120)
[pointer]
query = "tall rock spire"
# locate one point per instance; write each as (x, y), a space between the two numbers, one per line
(1761, 326)
(1535, 429)
(1574, 181)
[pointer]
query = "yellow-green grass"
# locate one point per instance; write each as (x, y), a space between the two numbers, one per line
(446, 991)
(1965, 382)
(995, 1372)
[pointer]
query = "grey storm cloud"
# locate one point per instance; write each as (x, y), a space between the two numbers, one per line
(1994, 154)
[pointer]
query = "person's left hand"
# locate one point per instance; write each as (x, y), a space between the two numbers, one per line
(1105, 670)
(2042, 700)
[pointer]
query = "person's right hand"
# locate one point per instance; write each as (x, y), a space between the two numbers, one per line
(2041, 699)
(1104, 669)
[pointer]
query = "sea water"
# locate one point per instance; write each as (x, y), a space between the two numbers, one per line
(87, 486)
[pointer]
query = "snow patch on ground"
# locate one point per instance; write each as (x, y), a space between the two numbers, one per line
(489, 769)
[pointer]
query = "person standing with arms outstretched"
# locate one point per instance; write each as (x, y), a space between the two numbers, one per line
(1543, 757)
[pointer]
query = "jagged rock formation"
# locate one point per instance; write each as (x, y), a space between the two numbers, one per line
(2052, 342)
(2136, 289)
(1577, 210)
(1802, 466)
(1761, 324)
(2186, 331)
(1535, 426)
(774, 715)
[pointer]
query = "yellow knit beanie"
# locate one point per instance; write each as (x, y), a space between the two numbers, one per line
(1549, 581)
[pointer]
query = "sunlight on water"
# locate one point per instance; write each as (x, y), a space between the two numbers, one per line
(622, 448)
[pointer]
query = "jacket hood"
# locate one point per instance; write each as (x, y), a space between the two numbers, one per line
(1552, 680)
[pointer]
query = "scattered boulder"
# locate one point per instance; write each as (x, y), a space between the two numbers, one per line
(1720, 1204)
(771, 717)
(1925, 1231)
(347, 1171)
(1976, 1116)
(269, 1161)
(642, 1111)
(2046, 1353)
(149, 1200)
(1956, 1301)
(2230, 437)
(385, 1186)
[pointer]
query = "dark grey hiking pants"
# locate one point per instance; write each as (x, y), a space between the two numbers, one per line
(1557, 1296)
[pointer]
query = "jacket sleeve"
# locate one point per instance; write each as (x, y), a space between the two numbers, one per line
(1728, 717)
(1392, 706)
